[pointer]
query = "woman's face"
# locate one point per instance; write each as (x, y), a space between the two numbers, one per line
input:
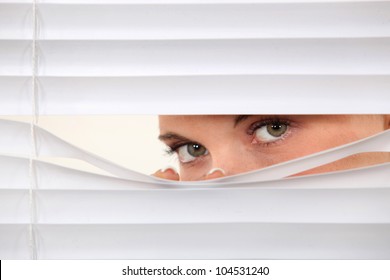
(241, 143)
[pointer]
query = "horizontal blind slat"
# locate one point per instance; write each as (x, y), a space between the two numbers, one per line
(14, 241)
(132, 95)
(143, 2)
(15, 21)
(348, 206)
(358, 56)
(197, 20)
(209, 241)
(15, 58)
(365, 56)
(201, 241)
(238, 205)
(301, 20)
(14, 206)
(211, 57)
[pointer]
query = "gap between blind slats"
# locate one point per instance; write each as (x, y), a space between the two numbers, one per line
(49, 145)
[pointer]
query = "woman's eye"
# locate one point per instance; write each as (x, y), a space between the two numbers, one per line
(190, 152)
(271, 132)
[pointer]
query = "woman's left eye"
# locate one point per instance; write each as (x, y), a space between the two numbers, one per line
(271, 132)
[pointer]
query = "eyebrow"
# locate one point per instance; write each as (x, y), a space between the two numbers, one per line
(173, 136)
(240, 118)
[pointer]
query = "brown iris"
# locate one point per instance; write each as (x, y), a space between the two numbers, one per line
(196, 150)
(276, 129)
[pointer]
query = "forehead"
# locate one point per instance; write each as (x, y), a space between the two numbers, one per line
(173, 122)
(169, 122)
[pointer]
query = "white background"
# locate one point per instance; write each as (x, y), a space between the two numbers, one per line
(130, 141)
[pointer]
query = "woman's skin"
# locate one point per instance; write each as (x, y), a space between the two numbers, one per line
(235, 144)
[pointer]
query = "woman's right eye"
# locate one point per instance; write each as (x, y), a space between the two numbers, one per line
(189, 152)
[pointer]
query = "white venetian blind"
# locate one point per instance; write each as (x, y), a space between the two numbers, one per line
(85, 57)
(126, 57)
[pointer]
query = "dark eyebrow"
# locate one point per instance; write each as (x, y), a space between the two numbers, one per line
(240, 118)
(173, 136)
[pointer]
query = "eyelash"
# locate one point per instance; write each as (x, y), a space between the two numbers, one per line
(175, 146)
